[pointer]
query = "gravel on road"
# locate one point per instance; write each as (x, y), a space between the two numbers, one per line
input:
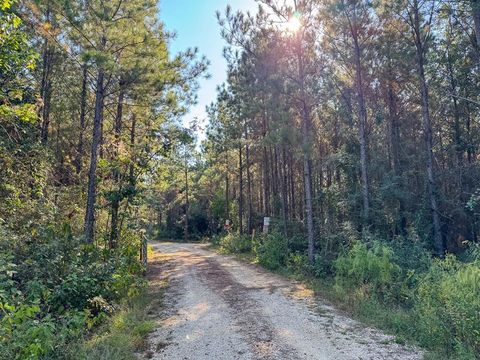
(216, 307)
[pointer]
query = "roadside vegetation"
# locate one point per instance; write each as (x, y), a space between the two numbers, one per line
(85, 88)
(55, 292)
(124, 336)
(430, 302)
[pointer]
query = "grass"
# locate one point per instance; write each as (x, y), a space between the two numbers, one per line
(394, 320)
(125, 333)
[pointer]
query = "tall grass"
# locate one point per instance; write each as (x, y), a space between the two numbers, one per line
(122, 336)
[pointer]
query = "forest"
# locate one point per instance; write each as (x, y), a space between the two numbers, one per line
(88, 105)
(352, 127)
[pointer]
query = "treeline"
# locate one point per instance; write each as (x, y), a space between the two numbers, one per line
(89, 102)
(351, 112)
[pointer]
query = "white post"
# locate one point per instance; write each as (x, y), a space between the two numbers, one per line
(266, 224)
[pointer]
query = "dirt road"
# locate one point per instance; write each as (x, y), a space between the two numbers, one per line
(220, 308)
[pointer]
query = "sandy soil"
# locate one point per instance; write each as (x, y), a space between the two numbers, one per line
(219, 308)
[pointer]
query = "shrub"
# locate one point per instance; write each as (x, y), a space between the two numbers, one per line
(370, 270)
(271, 251)
(22, 335)
(297, 263)
(215, 239)
(448, 306)
(235, 244)
(53, 288)
(411, 254)
(322, 267)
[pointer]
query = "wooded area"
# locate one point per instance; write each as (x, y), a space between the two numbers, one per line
(90, 99)
(354, 125)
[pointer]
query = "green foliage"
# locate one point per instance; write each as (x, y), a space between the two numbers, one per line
(122, 335)
(215, 239)
(448, 305)
(53, 289)
(321, 268)
(16, 59)
(370, 270)
(271, 250)
(298, 263)
(235, 244)
(409, 253)
(28, 333)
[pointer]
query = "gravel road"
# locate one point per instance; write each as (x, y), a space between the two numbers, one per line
(219, 308)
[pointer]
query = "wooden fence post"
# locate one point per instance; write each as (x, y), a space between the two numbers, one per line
(143, 252)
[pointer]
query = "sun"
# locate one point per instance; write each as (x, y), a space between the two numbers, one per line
(294, 24)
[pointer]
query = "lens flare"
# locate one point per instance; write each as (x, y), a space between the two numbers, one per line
(294, 24)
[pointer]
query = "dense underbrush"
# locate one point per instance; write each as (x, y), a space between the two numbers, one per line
(54, 290)
(398, 286)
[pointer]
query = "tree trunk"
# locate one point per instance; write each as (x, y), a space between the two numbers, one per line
(432, 196)
(249, 184)
(266, 166)
(293, 203)
(277, 180)
(306, 127)
(114, 233)
(187, 201)
(273, 179)
(133, 129)
(457, 138)
(46, 88)
(227, 190)
(394, 140)
(92, 173)
(362, 113)
(476, 20)
(117, 196)
(131, 171)
(284, 191)
(240, 190)
(118, 119)
(309, 209)
(83, 107)
(394, 131)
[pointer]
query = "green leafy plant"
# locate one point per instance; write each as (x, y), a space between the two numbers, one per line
(271, 250)
(235, 244)
(297, 263)
(370, 270)
(448, 305)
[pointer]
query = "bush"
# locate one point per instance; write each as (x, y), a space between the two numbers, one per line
(235, 244)
(448, 306)
(297, 263)
(215, 239)
(27, 333)
(371, 271)
(410, 254)
(322, 267)
(271, 251)
(53, 288)
(122, 335)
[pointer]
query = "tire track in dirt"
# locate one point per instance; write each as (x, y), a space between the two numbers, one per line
(217, 308)
(257, 328)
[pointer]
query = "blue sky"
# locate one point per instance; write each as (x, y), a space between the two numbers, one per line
(196, 26)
